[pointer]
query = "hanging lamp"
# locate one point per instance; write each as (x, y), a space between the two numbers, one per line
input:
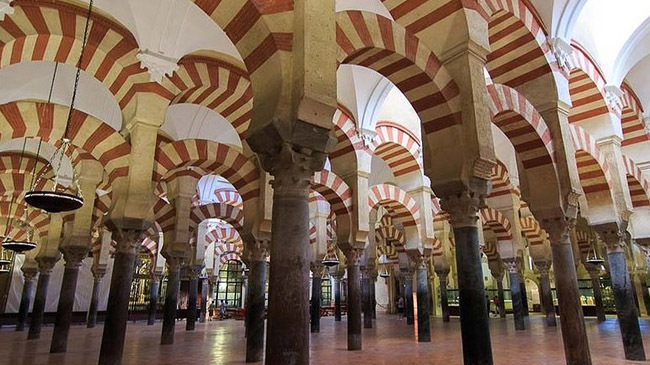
(331, 259)
(592, 256)
(56, 201)
(8, 242)
(383, 261)
(4, 260)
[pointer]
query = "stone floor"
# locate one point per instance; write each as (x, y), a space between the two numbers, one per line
(390, 342)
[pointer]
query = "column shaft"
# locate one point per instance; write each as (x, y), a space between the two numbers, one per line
(204, 299)
(365, 292)
(373, 298)
(408, 299)
(524, 294)
(444, 298)
(39, 306)
(626, 310)
(598, 299)
(316, 292)
(502, 298)
(64, 309)
(25, 301)
(337, 299)
(354, 303)
(117, 310)
(190, 324)
(255, 311)
(474, 320)
(546, 297)
(171, 302)
(422, 279)
(153, 301)
(517, 305)
(91, 320)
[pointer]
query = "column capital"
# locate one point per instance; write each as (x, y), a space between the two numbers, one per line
(612, 236)
(317, 268)
(558, 228)
(73, 255)
(543, 267)
(512, 265)
(463, 206)
(194, 271)
(442, 274)
(353, 255)
(29, 274)
(46, 263)
(593, 270)
(174, 263)
(127, 239)
(257, 250)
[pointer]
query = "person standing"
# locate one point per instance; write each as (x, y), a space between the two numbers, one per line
(222, 310)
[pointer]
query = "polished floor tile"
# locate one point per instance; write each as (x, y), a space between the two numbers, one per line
(390, 342)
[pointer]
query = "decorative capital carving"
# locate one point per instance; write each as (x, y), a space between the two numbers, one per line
(442, 274)
(29, 274)
(558, 229)
(128, 240)
(193, 271)
(157, 65)
(612, 236)
(174, 263)
(317, 268)
(292, 169)
(258, 250)
(74, 255)
(5, 8)
(562, 51)
(613, 96)
(353, 256)
(593, 270)
(366, 136)
(463, 207)
(512, 265)
(46, 264)
(543, 267)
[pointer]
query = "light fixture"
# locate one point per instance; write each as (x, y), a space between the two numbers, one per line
(56, 201)
(592, 256)
(331, 258)
(384, 272)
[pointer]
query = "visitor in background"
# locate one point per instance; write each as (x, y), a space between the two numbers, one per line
(222, 310)
(400, 307)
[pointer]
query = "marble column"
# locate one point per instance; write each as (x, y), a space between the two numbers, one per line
(462, 208)
(257, 252)
(26, 297)
(336, 288)
(192, 311)
(171, 299)
(365, 301)
(524, 293)
(316, 295)
(574, 335)
(498, 277)
(626, 310)
(45, 266)
(354, 299)
(204, 299)
(73, 256)
(594, 274)
(545, 295)
(153, 298)
(422, 280)
(515, 290)
(117, 310)
(408, 297)
(98, 275)
(444, 299)
(373, 295)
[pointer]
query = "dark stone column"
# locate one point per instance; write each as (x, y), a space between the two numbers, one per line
(192, 311)
(474, 320)
(337, 297)
(171, 300)
(287, 336)
(204, 300)
(153, 298)
(444, 300)
(354, 299)
(574, 335)
(257, 253)
(98, 274)
(524, 293)
(594, 274)
(422, 279)
(365, 294)
(316, 296)
(626, 309)
(26, 297)
(498, 277)
(117, 310)
(546, 296)
(373, 297)
(515, 290)
(646, 295)
(408, 297)
(45, 266)
(73, 256)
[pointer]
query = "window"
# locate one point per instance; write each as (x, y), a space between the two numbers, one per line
(326, 292)
(229, 284)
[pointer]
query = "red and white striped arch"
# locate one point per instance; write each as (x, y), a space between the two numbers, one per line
(398, 202)
(209, 157)
(86, 133)
(520, 51)
(501, 184)
(632, 118)
(228, 213)
(50, 31)
(398, 147)
(390, 251)
(216, 85)
(348, 140)
(165, 215)
(523, 125)
(636, 182)
(225, 239)
(229, 196)
(593, 168)
(231, 256)
(493, 220)
(584, 246)
(372, 41)
(531, 229)
(390, 235)
(312, 233)
(490, 251)
(337, 193)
